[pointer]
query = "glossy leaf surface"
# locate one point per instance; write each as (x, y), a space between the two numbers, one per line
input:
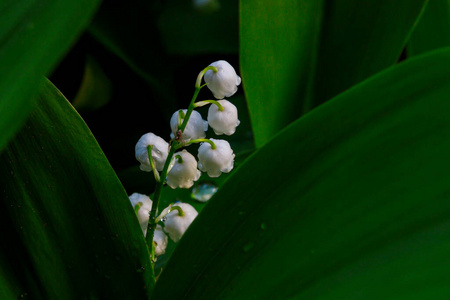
(349, 202)
(296, 55)
(34, 35)
(70, 230)
(433, 30)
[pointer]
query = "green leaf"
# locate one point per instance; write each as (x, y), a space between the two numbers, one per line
(296, 55)
(68, 225)
(278, 42)
(34, 35)
(349, 202)
(433, 30)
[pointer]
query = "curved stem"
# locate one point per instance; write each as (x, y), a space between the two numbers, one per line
(200, 75)
(152, 163)
(179, 159)
(213, 146)
(137, 207)
(179, 209)
(205, 102)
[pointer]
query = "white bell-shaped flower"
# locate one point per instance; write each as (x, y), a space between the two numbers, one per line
(176, 225)
(145, 203)
(215, 161)
(145, 207)
(161, 240)
(159, 152)
(224, 82)
(185, 173)
(195, 128)
(225, 121)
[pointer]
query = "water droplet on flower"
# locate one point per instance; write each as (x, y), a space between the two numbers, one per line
(204, 191)
(164, 219)
(248, 246)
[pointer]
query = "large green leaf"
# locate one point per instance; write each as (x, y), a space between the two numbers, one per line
(349, 202)
(433, 30)
(68, 225)
(278, 42)
(298, 54)
(34, 35)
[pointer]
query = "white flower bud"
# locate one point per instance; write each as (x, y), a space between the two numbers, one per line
(159, 152)
(223, 122)
(185, 173)
(144, 210)
(224, 82)
(161, 240)
(195, 128)
(215, 161)
(177, 225)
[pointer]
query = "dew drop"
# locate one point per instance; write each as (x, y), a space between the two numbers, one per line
(248, 246)
(204, 191)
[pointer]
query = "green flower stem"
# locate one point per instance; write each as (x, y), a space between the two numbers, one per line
(157, 194)
(137, 207)
(205, 102)
(152, 163)
(180, 211)
(179, 159)
(213, 146)
(198, 83)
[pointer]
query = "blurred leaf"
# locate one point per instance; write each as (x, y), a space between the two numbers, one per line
(187, 30)
(433, 30)
(349, 202)
(134, 40)
(34, 35)
(296, 55)
(69, 227)
(95, 90)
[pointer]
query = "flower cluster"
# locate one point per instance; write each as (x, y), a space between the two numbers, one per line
(215, 156)
(179, 168)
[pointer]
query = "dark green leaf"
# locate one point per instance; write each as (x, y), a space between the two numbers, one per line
(68, 225)
(433, 30)
(34, 35)
(278, 44)
(298, 54)
(349, 202)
